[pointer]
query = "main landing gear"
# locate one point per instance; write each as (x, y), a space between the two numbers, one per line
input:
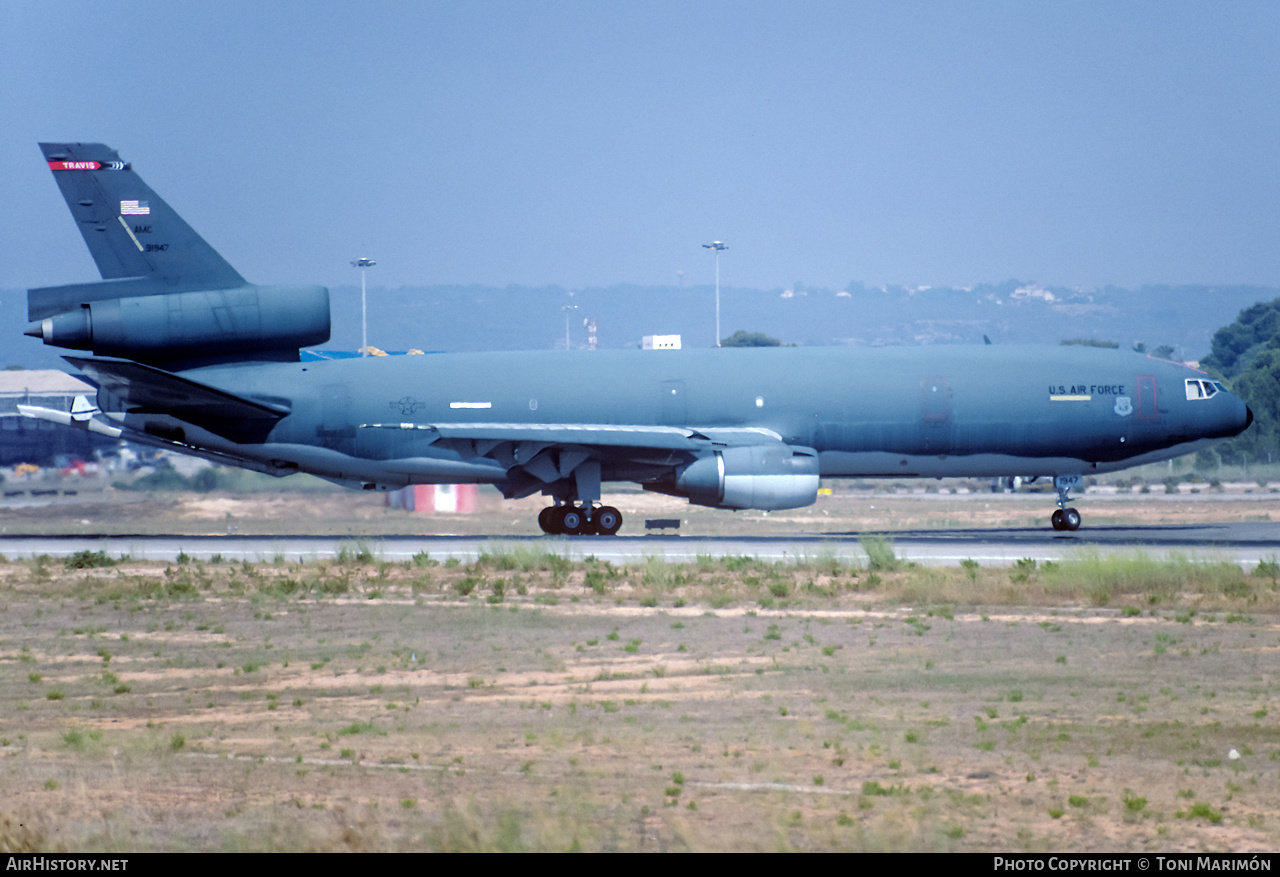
(1065, 518)
(580, 520)
(576, 512)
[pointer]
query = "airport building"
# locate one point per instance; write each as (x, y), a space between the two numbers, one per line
(27, 440)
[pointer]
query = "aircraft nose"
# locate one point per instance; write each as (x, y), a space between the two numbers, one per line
(1241, 417)
(1235, 417)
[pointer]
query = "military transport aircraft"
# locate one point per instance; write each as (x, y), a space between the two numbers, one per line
(188, 355)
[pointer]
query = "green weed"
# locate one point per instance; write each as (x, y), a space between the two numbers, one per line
(880, 555)
(88, 560)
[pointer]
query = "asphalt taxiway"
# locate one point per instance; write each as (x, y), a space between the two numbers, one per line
(1245, 543)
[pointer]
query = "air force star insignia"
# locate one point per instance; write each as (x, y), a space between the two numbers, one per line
(408, 405)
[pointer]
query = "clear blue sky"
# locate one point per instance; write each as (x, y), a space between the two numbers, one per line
(592, 143)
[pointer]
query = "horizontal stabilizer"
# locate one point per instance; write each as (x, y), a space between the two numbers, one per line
(93, 424)
(142, 389)
(72, 419)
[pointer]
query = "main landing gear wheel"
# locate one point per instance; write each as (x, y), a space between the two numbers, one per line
(608, 520)
(551, 519)
(573, 521)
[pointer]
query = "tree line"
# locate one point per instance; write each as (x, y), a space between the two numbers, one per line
(1245, 356)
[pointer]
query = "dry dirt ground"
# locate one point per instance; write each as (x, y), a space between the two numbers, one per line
(529, 703)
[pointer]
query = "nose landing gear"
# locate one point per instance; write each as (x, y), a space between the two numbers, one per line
(1065, 518)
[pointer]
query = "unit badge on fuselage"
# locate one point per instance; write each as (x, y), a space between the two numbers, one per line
(1124, 406)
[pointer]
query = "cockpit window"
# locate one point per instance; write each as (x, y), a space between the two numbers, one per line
(1197, 389)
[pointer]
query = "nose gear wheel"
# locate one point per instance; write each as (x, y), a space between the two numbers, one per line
(1065, 518)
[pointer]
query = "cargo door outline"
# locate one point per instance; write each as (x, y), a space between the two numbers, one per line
(935, 402)
(935, 415)
(672, 404)
(335, 415)
(1148, 408)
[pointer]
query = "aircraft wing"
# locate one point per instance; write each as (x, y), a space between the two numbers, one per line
(672, 438)
(537, 455)
(146, 390)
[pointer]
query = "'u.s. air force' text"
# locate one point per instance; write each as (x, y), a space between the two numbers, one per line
(1086, 390)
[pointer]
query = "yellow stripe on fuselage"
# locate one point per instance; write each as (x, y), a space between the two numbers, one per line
(1070, 398)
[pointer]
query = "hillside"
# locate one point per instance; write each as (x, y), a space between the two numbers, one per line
(456, 318)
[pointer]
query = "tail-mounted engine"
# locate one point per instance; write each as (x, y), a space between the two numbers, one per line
(192, 325)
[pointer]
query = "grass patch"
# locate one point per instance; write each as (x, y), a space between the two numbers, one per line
(880, 555)
(360, 728)
(1201, 811)
(88, 560)
(1103, 578)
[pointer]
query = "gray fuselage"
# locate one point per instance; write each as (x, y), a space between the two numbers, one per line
(936, 411)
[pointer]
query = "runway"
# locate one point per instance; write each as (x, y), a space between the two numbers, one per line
(1244, 543)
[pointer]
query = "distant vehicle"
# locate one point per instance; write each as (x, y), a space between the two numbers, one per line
(191, 357)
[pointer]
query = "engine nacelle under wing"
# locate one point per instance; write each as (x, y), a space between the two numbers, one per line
(766, 477)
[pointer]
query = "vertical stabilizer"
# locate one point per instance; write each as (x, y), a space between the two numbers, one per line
(166, 298)
(129, 229)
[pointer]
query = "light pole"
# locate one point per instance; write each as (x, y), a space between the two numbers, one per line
(568, 310)
(717, 246)
(363, 263)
